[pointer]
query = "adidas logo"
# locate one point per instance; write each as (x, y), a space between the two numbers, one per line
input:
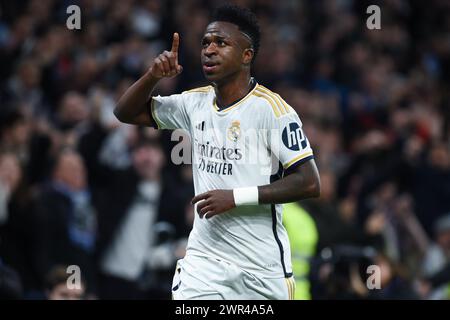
(200, 126)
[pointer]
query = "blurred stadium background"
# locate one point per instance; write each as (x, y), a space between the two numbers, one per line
(79, 188)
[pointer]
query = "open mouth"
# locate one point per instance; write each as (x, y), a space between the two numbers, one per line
(210, 66)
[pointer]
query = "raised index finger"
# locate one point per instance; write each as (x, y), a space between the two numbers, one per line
(175, 42)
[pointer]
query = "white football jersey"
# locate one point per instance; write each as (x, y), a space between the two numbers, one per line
(242, 145)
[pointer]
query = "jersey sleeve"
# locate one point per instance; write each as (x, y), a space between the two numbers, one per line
(169, 112)
(287, 140)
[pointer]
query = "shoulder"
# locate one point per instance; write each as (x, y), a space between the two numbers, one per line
(199, 90)
(272, 101)
(196, 95)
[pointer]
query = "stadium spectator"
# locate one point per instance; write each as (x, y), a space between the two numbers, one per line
(67, 219)
(435, 265)
(57, 285)
(139, 206)
(18, 234)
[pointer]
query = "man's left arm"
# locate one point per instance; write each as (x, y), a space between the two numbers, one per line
(302, 182)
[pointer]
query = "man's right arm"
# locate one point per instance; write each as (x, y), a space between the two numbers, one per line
(132, 107)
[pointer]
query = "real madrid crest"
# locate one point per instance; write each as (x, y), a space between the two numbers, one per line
(234, 131)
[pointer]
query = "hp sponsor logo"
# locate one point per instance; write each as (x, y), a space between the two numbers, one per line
(293, 137)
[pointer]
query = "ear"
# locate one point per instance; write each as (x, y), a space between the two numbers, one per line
(247, 56)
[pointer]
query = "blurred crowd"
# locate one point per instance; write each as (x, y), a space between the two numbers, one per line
(79, 188)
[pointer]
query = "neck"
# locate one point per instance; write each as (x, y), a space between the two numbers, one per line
(150, 177)
(230, 90)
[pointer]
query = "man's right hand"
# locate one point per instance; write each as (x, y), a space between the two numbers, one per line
(132, 106)
(166, 64)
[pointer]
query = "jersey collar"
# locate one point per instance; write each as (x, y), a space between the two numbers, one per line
(237, 102)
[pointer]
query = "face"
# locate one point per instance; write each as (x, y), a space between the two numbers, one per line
(440, 157)
(30, 75)
(148, 161)
(10, 171)
(327, 186)
(73, 109)
(71, 171)
(62, 292)
(226, 51)
(18, 134)
(443, 239)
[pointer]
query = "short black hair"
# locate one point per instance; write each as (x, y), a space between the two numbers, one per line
(10, 118)
(245, 20)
